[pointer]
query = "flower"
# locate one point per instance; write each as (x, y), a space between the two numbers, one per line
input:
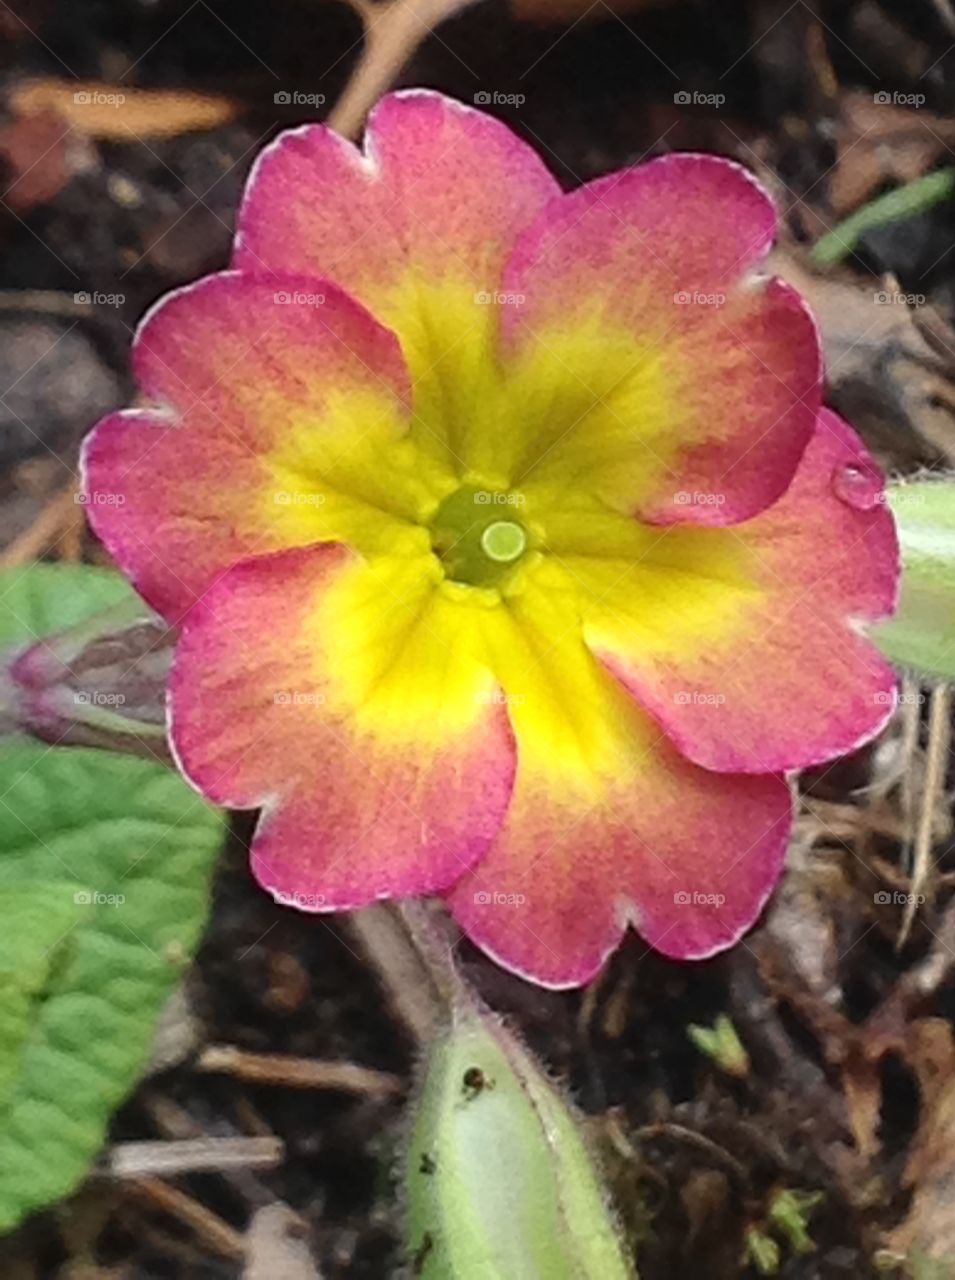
(514, 556)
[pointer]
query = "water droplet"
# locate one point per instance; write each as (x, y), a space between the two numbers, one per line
(858, 484)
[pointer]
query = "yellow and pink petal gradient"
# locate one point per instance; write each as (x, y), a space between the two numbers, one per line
(514, 555)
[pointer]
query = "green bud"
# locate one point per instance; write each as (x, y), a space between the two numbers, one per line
(789, 1213)
(99, 683)
(721, 1043)
(500, 1183)
(921, 633)
(763, 1252)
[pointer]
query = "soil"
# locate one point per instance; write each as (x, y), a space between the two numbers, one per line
(848, 1026)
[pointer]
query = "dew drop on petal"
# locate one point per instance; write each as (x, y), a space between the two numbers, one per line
(858, 485)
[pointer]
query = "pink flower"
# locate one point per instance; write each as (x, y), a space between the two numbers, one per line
(515, 557)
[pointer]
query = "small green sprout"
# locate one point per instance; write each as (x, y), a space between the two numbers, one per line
(722, 1043)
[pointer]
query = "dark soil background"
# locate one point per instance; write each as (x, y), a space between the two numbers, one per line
(847, 1087)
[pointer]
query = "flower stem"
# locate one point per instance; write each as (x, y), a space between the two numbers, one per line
(392, 34)
(427, 925)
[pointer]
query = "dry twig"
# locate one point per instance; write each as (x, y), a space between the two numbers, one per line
(59, 514)
(207, 1155)
(212, 1230)
(298, 1073)
(393, 32)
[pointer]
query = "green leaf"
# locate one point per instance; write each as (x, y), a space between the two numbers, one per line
(40, 598)
(105, 862)
(921, 633)
(904, 202)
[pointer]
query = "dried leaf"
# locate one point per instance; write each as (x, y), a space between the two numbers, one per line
(929, 1228)
(890, 368)
(121, 113)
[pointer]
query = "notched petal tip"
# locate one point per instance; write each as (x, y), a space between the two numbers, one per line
(687, 857)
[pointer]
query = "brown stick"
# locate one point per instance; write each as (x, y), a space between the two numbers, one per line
(383, 936)
(392, 33)
(297, 1073)
(166, 1159)
(940, 736)
(208, 1226)
(49, 526)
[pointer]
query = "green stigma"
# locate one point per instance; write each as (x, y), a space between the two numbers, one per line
(474, 544)
(504, 541)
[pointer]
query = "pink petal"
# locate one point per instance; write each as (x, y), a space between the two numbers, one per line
(685, 856)
(691, 384)
(287, 694)
(179, 493)
(785, 678)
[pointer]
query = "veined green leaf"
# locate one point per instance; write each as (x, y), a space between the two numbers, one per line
(105, 863)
